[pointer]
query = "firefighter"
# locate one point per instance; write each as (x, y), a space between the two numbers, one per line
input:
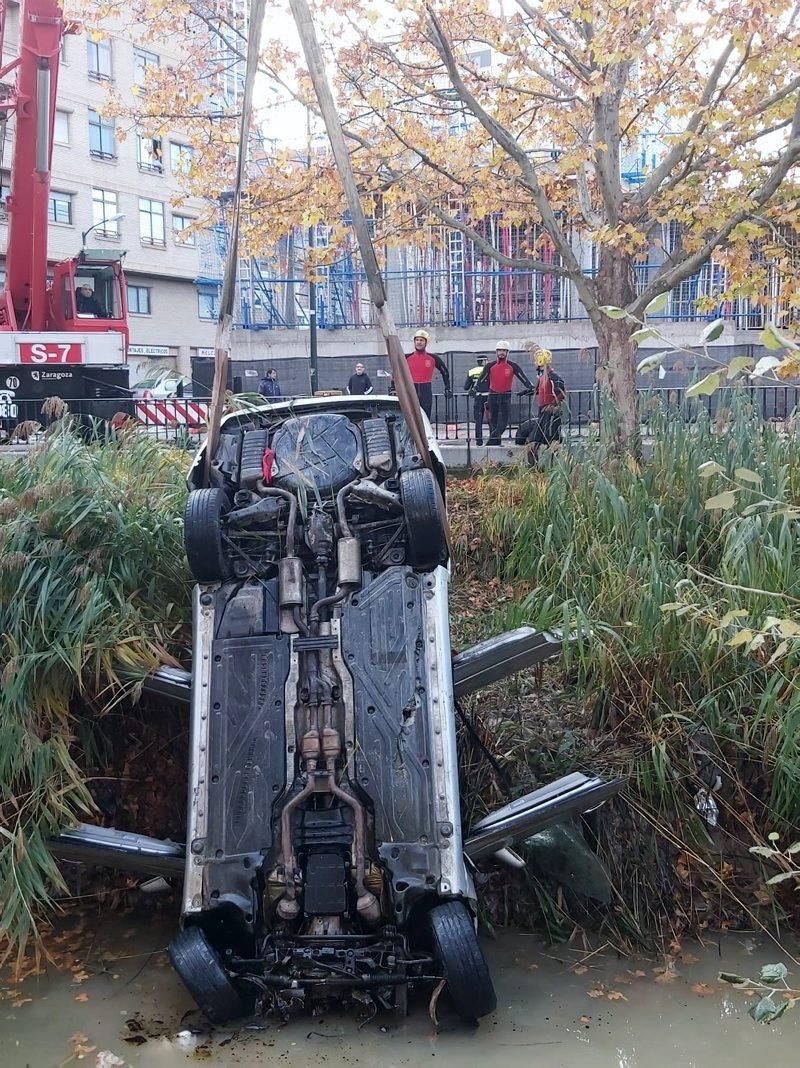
(499, 375)
(422, 365)
(545, 428)
(473, 380)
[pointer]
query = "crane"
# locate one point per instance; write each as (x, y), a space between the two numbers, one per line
(44, 321)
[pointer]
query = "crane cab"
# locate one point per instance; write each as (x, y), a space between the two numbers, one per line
(88, 295)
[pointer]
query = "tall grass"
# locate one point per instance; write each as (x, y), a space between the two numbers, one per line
(604, 547)
(93, 592)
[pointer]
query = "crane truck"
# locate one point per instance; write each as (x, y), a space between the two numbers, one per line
(52, 343)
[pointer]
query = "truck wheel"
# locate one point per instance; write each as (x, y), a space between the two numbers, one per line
(465, 969)
(202, 535)
(204, 977)
(422, 505)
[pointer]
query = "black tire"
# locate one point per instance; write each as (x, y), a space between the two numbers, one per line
(423, 506)
(204, 977)
(202, 535)
(465, 969)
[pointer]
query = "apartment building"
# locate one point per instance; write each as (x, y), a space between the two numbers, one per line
(114, 188)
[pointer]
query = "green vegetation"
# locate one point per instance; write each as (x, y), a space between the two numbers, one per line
(686, 677)
(94, 592)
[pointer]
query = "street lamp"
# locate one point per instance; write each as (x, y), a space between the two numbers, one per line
(112, 219)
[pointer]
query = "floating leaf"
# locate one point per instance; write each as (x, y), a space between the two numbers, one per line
(657, 304)
(616, 995)
(773, 973)
(703, 990)
(722, 501)
(713, 331)
(706, 386)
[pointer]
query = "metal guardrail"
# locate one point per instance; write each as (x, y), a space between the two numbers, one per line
(182, 421)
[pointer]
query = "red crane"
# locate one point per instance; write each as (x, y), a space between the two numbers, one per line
(45, 321)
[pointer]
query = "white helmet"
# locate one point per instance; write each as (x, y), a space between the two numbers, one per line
(503, 345)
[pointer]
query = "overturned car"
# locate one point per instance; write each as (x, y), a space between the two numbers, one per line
(324, 856)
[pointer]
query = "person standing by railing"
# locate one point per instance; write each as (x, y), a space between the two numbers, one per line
(551, 393)
(499, 375)
(478, 389)
(423, 365)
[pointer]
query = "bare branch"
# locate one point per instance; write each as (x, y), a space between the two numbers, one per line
(509, 143)
(680, 148)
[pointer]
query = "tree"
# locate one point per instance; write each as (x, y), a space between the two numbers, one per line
(546, 136)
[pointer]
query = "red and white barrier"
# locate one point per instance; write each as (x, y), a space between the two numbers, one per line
(172, 412)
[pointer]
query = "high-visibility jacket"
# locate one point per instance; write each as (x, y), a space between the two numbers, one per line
(473, 383)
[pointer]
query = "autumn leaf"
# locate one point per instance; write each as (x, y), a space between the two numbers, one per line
(703, 990)
(616, 995)
(596, 992)
(580, 969)
(20, 1002)
(81, 997)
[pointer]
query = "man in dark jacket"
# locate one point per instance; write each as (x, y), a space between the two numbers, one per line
(499, 375)
(86, 303)
(359, 384)
(268, 386)
(471, 386)
(422, 365)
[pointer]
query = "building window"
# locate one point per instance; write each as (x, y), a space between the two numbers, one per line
(105, 206)
(59, 207)
(151, 222)
(142, 62)
(139, 300)
(208, 303)
(99, 56)
(482, 59)
(149, 154)
(61, 128)
(180, 157)
(181, 229)
(102, 143)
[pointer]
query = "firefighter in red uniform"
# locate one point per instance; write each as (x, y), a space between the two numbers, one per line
(422, 365)
(545, 428)
(500, 375)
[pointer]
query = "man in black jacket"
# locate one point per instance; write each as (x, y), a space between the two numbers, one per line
(499, 375)
(359, 384)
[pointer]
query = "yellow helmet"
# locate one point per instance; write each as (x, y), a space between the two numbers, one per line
(423, 334)
(543, 357)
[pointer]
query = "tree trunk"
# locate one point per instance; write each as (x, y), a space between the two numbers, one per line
(617, 353)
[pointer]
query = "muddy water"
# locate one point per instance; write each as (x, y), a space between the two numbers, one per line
(125, 1002)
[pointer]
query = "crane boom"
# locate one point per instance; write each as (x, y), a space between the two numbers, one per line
(42, 27)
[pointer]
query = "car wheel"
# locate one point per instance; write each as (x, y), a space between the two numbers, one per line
(202, 534)
(199, 967)
(465, 969)
(422, 505)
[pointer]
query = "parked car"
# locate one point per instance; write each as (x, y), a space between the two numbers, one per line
(162, 385)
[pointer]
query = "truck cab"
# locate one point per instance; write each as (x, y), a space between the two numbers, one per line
(88, 295)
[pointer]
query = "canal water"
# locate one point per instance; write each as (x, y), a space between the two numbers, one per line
(115, 1001)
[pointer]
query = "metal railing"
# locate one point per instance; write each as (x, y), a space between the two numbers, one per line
(182, 421)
